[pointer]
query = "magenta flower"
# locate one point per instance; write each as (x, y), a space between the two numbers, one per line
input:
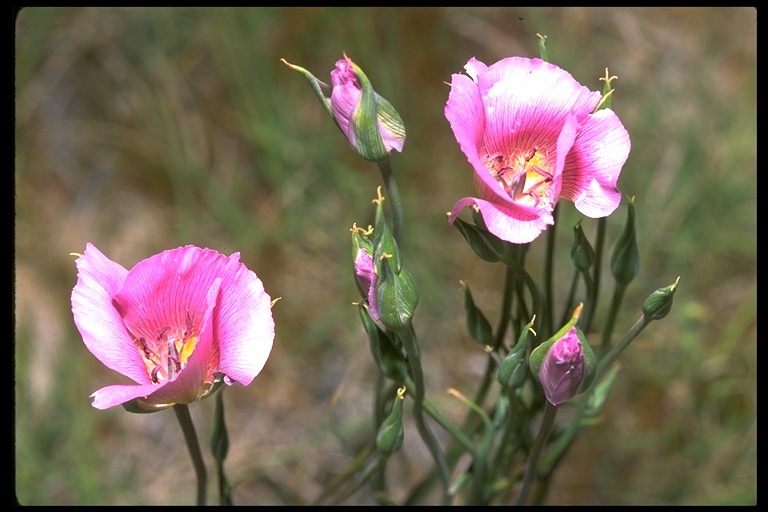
(530, 131)
(176, 324)
(562, 370)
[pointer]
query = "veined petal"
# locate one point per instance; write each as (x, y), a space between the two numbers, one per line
(594, 164)
(505, 222)
(99, 323)
(243, 322)
(200, 366)
(527, 100)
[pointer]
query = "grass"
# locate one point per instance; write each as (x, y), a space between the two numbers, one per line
(142, 129)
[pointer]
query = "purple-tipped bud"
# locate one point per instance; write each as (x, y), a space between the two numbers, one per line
(562, 370)
(366, 277)
(372, 126)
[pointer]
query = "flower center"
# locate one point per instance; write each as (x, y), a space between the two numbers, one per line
(524, 175)
(167, 354)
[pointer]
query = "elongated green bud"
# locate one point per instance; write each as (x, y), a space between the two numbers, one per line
(391, 432)
(659, 303)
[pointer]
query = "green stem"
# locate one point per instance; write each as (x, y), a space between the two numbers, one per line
(407, 336)
(394, 196)
(548, 277)
(618, 297)
(533, 458)
(220, 448)
(598, 249)
(185, 420)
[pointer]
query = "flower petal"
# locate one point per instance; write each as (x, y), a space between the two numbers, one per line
(509, 224)
(99, 323)
(594, 164)
(187, 384)
(117, 394)
(244, 327)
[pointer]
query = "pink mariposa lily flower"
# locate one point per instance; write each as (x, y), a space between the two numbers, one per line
(176, 324)
(532, 134)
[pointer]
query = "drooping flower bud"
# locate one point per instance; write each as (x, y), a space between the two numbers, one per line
(564, 364)
(369, 122)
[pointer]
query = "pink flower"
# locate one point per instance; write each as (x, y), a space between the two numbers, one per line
(530, 131)
(562, 370)
(176, 324)
(366, 277)
(346, 105)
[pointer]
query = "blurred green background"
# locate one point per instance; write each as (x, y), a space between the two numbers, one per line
(141, 129)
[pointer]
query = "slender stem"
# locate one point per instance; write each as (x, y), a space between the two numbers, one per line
(549, 276)
(408, 339)
(220, 447)
(598, 249)
(394, 196)
(185, 420)
(533, 458)
(618, 297)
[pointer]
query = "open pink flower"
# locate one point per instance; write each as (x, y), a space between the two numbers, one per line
(530, 131)
(176, 324)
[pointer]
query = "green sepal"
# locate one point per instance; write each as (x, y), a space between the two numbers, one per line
(321, 89)
(625, 259)
(397, 296)
(486, 245)
(478, 326)
(365, 121)
(512, 369)
(386, 356)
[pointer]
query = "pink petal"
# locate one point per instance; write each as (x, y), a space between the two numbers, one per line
(593, 166)
(117, 394)
(526, 101)
(506, 223)
(99, 323)
(186, 385)
(244, 327)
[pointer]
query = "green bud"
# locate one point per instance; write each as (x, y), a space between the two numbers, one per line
(478, 326)
(397, 296)
(582, 254)
(625, 259)
(513, 368)
(659, 303)
(391, 433)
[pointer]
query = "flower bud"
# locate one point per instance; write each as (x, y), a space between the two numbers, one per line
(659, 303)
(582, 254)
(564, 364)
(391, 433)
(625, 259)
(388, 358)
(478, 326)
(369, 122)
(513, 369)
(364, 269)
